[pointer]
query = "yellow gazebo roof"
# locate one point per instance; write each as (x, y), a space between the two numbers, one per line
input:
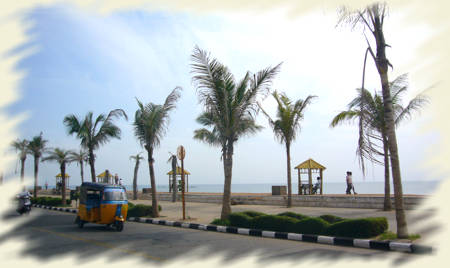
(103, 174)
(59, 175)
(310, 164)
(179, 172)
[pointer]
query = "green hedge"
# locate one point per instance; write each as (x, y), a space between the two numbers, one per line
(140, 210)
(252, 213)
(274, 223)
(312, 225)
(240, 219)
(359, 228)
(331, 218)
(298, 223)
(293, 215)
(49, 201)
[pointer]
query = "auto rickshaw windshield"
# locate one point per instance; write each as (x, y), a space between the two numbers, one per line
(114, 195)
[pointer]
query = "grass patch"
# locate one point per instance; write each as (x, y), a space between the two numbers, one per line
(388, 235)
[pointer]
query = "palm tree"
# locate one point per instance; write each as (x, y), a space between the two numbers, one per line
(286, 127)
(36, 147)
(21, 146)
(136, 158)
(230, 108)
(63, 157)
(372, 18)
(369, 110)
(173, 160)
(94, 133)
(150, 126)
(80, 157)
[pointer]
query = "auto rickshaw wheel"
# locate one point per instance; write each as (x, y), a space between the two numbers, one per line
(80, 222)
(119, 226)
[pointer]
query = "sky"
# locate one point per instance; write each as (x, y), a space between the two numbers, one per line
(78, 61)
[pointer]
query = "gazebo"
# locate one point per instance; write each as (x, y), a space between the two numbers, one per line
(171, 177)
(308, 167)
(58, 183)
(103, 179)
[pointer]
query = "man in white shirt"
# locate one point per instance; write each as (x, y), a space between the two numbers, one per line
(349, 183)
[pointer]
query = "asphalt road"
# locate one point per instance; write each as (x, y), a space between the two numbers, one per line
(52, 234)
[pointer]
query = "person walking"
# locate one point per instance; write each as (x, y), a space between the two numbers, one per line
(116, 179)
(349, 183)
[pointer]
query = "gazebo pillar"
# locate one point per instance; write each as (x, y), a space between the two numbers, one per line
(299, 183)
(310, 180)
(321, 182)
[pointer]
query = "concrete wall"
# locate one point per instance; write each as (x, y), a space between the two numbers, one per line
(353, 201)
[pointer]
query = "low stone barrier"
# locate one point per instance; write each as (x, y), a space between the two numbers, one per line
(353, 201)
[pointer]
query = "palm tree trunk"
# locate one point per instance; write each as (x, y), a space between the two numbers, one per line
(227, 167)
(289, 181)
(36, 170)
(91, 163)
(136, 167)
(155, 212)
(382, 67)
(81, 171)
(22, 169)
(387, 184)
(63, 186)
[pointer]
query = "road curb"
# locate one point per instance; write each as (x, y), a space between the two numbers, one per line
(329, 240)
(320, 239)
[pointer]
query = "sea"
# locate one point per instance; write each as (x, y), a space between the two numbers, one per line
(361, 187)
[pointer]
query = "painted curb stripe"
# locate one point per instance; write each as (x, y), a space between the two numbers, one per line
(243, 231)
(325, 240)
(281, 235)
(343, 241)
(400, 247)
(177, 224)
(379, 245)
(148, 221)
(292, 236)
(255, 232)
(194, 225)
(162, 222)
(222, 229)
(211, 228)
(268, 234)
(309, 238)
(361, 243)
(421, 249)
(169, 223)
(202, 227)
(232, 230)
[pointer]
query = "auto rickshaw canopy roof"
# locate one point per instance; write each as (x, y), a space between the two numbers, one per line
(179, 172)
(99, 186)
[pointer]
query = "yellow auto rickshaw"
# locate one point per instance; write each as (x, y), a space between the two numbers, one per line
(103, 204)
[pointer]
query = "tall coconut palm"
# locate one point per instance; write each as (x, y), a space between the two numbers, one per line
(370, 109)
(372, 19)
(150, 126)
(137, 158)
(286, 127)
(94, 133)
(229, 109)
(79, 157)
(36, 147)
(63, 157)
(21, 146)
(173, 161)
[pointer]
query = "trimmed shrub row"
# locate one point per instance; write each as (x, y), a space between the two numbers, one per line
(297, 223)
(49, 201)
(140, 210)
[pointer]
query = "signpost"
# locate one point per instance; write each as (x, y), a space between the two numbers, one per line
(181, 153)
